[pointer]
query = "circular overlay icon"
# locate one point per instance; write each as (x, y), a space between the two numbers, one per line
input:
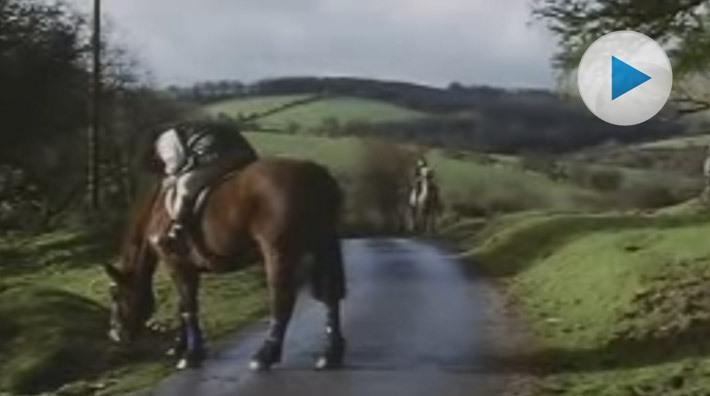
(625, 78)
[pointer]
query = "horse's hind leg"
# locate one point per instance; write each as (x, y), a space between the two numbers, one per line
(329, 287)
(282, 292)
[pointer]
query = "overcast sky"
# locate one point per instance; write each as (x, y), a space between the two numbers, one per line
(428, 41)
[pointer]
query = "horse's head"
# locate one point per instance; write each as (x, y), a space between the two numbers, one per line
(131, 290)
(132, 302)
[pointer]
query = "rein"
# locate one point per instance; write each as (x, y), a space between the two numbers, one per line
(140, 228)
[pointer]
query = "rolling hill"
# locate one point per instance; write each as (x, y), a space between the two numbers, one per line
(472, 117)
(282, 112)
(469, 181)
(465, 180)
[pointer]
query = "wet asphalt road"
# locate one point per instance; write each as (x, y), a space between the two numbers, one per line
(416, 324)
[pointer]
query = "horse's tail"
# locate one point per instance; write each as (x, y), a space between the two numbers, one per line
(328, 276)
(335, 196)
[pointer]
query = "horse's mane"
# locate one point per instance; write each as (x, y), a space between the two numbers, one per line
(140, 215)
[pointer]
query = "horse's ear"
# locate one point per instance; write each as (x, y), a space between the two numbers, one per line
(113, 273)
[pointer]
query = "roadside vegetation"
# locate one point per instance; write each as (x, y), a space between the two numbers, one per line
(54, 317)
(619, 304)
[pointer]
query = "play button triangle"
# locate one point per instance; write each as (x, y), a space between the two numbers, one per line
(625, 77)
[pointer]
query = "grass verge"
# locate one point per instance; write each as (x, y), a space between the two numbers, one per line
(54, 318)
(620, 304)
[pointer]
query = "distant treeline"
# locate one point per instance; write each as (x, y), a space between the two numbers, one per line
(512, 134)
(513, 127)
(421, 97)
(476, 117)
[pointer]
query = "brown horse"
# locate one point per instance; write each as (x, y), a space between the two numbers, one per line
(286, 209)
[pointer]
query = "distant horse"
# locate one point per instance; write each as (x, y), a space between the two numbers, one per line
(424, 206)
(285, 209)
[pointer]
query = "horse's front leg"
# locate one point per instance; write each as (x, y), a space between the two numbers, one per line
(412, 219)
(194, 347)
(180, 343)
(190, 343)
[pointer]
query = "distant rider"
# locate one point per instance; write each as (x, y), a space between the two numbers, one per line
(192, 156)
(422, 173)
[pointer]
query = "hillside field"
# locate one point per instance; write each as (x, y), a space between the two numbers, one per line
(313, 113)
(492, 183)
(462, 179)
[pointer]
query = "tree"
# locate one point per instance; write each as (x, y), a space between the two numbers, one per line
(45, 75)
(43, 99)
(681, 26)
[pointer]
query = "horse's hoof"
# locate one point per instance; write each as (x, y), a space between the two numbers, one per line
(332, 358)
(268, 355)
(329, 361)
(325, 363)
(255, 365)
(185, 363)
(191, 360)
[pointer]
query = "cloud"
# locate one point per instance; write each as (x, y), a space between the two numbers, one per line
(435, 41)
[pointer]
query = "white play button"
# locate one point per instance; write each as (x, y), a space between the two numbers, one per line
(625, 78)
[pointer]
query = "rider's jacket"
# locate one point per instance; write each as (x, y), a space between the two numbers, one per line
(422, 172)
(192, 145)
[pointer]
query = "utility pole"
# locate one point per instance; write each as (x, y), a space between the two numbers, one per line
(93, 176)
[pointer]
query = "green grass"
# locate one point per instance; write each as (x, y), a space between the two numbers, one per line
(619, 303)
(54, 318)
(636, 177)
(339, 154)
(344, 110)
(505, 184)
(311, 115)
(678, 143)
(253, 105)
(462, 179)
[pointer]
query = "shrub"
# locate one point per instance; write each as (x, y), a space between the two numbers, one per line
(539, 162)
(293, 128)
(648, 197)
(505, 198)
(602, 180)
(379, 185)
(605, 180)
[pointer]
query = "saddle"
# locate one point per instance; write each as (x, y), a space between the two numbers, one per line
(199, 253)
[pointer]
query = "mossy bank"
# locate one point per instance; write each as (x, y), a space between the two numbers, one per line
(619, 303)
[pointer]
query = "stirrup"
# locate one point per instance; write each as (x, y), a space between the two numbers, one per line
(176, 231)
(175, 240)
